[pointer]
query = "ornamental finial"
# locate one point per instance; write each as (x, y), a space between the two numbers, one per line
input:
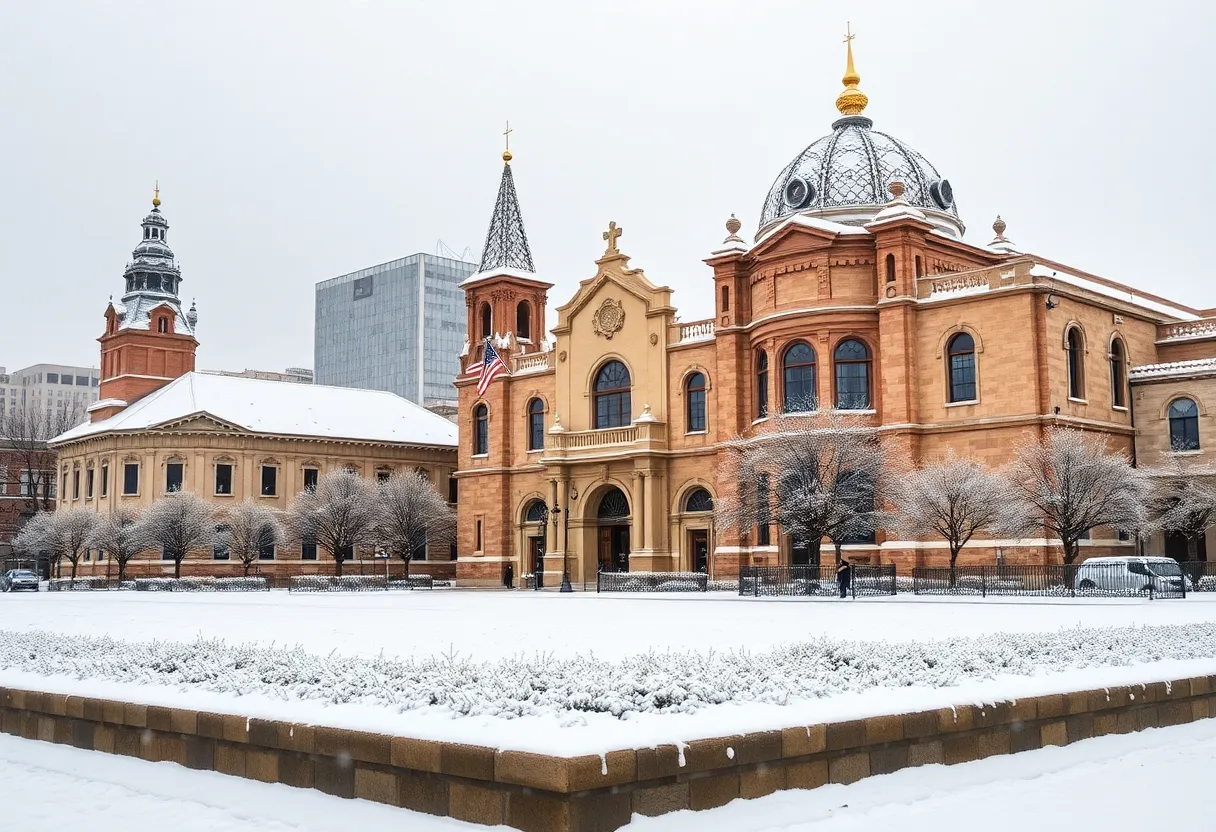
(506, 154)
(852, 101)
(156, 195)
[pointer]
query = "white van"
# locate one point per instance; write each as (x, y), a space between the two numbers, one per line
(1129, 575)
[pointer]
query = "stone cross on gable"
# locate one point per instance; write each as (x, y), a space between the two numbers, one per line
(610, 235)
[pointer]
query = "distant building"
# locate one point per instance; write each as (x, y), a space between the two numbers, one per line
(294, 375)
(399, 327)
(59, 386)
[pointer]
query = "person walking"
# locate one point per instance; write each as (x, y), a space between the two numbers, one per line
(508, 578)
(844, 577)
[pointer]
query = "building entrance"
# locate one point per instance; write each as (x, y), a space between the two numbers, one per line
(699, 540)
(537, 546)
(612, 536)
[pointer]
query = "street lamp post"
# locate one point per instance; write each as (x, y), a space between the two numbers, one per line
(565, 552)
(538, 570)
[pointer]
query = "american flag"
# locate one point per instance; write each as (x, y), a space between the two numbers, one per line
(491, 368)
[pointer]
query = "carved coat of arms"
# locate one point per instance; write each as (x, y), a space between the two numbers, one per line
(609, 318)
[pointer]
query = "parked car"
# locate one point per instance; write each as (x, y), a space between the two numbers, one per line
(1128, 575)
(16, 579)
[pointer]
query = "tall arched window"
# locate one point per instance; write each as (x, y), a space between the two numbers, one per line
(1118, 374)
(613, 408)
(1184, 425)
(890, 268)
(798, 379)
(536, 425)
(1076, 364)
(725, 298)
(698, 500)
(960, 352)
(761, 384)
(694, 391)
(523, 320)
(852, 359)
(481, 430)
(487, 320)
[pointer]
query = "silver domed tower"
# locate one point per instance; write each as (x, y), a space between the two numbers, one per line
(153, 277)
(844, 176)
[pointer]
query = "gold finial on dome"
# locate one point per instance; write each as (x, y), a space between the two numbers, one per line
(852, 101)
(506, 154)
(156, 195)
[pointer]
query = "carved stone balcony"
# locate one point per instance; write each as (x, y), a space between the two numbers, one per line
(640, 437)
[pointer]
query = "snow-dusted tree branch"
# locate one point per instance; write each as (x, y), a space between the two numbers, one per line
(954, 499)
(815, 475)
(176, 523)
(1071, 483)
(410, 514)
(248, 528)
(338, 515)
(63, 534)
(24, 434)
(1182, 500)
(119, 535)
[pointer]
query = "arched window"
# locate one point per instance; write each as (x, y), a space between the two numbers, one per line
(890, 268)
(487, 321)
(162, 324)
(960, 352)
(918, 266)
(536, 425)
(699, 500)
(1076, 364)
(523, 320)
(1118, 374)
(613, 408)
(481, 430)
(613, 505)
(798, 379)
(536, 512)
(725, 298)
(694, 389)
(852, 360)
(1184, 425)
(761, 384)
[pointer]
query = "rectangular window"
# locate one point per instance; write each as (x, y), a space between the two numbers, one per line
(363, 287)
(130, 478)
(173, 476)
(52, 378)
(270, 479)
(105, 480)
(82, 381)
(763, 535)
(383, 476)
(452, 489)
(223, 478)
(477, 538)
(308, 549)
(310, 479)
(266, 551)
(65, 379)
(75, 485)
(88, 484)
(452, 550)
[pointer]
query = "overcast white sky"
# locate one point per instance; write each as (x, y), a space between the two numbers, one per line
(298, 140)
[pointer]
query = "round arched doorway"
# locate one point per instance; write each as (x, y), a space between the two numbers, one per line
(535, 525)
(612, 531)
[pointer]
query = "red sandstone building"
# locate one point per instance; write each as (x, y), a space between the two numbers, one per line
(857, 292)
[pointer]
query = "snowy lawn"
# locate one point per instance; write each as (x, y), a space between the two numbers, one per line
(1168, 770)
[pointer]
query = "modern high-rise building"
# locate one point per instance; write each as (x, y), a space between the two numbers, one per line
(398, 326)
(56, 387)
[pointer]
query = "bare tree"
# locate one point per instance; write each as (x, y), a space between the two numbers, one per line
(1070, 483)
(39, 535)
(338, 514)
(410, 514)
(120, 536)
(246, 529)
(816, 475)
(1182, 500)
(954, 498)
(64, 533)
(175, 524)
(23, 435)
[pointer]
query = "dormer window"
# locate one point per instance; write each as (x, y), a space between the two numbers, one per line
(162, 324)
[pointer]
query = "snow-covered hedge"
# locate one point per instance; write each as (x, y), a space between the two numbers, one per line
(652, 581)
(722, 586)
(79, 584)
(412, 582)
(651, 682)
(337, 583)
(250, 584)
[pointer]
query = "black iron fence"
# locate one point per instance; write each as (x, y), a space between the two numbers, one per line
(1122, 579)
(821, 581)
(1201, 576)
(356, 583)
(652, 582)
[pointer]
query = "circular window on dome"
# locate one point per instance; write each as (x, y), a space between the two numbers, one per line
(799, 192)
(942, 193)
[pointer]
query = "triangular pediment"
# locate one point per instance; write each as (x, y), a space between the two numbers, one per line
(794, 238)
(198, 423)
(614, 271)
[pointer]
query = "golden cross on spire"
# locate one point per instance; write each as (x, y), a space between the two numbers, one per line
(610, 235)
(852, 101)
(506, 154)
(848, 32)
(156, 195)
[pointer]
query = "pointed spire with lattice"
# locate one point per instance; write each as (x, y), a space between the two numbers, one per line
(507, 242)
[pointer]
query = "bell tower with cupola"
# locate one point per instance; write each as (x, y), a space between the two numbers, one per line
(149, 340)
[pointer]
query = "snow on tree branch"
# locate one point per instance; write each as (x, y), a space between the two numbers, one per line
(246, 529)
(954, 499)
(63, 534)
(1182, 500)
(119, 536)
(176, 523)
(1071, 483)
(24, 433)
(410, 515)
(338, 514)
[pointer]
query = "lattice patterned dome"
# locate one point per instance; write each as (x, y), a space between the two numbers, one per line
(844, 176)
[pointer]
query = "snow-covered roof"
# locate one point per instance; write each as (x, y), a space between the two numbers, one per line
(281, 408)
(501, 271)
(136, 313)
(812, 222)
(1124, 293)
(1170, 369)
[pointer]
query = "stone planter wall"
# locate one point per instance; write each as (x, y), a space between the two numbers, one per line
(539, 793)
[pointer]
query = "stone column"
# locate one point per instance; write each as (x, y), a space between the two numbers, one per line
(551, 536)
(648, 510)
(638, 512)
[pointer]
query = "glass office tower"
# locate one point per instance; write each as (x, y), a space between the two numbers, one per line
(398, 326)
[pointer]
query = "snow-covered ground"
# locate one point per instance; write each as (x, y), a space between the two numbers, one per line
(489, 625)
(1134, 782)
